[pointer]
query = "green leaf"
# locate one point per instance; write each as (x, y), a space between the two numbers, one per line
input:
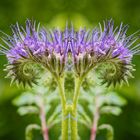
(83, 115)
(86, 96)
(28, 110)
(47, 108)
(84, 122)
(29, 129)
(115, 99)
(91, 108)
(111, 110)
(52, 97)
(110, 131)
(26, 98)
(55, 117)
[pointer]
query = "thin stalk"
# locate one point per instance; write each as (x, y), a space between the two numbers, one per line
(73, 122)
(95, 121)
(78, 82)
(60, 82)
(74, 130)
(65, 122)
(43, 121)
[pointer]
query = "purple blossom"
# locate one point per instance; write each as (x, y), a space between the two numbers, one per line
(97, 42)
(100, 41)
(37, 41)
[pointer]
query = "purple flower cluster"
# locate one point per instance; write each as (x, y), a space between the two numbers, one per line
(97, 41)
(100, 41)
(84, 47)
(33, 40)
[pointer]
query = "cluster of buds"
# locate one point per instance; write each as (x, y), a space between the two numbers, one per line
(78, 51)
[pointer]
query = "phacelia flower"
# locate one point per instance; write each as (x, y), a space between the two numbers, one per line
(108, 47)
(34, 46)
(83, 49)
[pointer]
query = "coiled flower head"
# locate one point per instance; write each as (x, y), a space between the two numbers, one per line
(30, 47)
(116, 51)
(22, 46)
(107, 48)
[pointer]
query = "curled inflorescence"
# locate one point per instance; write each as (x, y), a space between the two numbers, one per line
(80, 51)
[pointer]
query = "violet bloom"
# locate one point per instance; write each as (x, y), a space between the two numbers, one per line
(118, 50)
(33, 45)
(34, 41)
(108, 47)
(84, 49)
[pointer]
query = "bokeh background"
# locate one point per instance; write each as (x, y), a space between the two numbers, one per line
(53, 13)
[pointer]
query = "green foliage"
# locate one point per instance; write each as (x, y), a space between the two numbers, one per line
(111, 110)
(25, 98)
(109, 129)
(32, 103)
(29, 131)
(29, 102)
(24, 110)
(102, 101)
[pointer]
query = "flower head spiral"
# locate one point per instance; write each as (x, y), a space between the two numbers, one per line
(107, 48)
(33, 45)
(117, 50)
(21, 46)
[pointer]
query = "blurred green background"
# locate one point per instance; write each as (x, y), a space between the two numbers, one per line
(82, 13)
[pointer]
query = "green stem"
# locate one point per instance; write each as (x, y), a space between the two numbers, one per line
(60, 82)
(64, 127)
(78, 82)
(43, 121)
(95, 121)
(42, 115)
(73, 111)
(73, 122)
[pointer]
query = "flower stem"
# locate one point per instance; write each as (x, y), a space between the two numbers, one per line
(73, 124)
(43, 121)
(60, 82)
(74, 130)
(65, 122)
(78, 82)
(95, 121)
(65, 126)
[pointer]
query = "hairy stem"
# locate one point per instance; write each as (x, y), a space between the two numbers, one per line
(60, 82)
(65, 125)
(78, 82)
(43, 121)
(73, 122)
(95, 121)
(65, 122)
